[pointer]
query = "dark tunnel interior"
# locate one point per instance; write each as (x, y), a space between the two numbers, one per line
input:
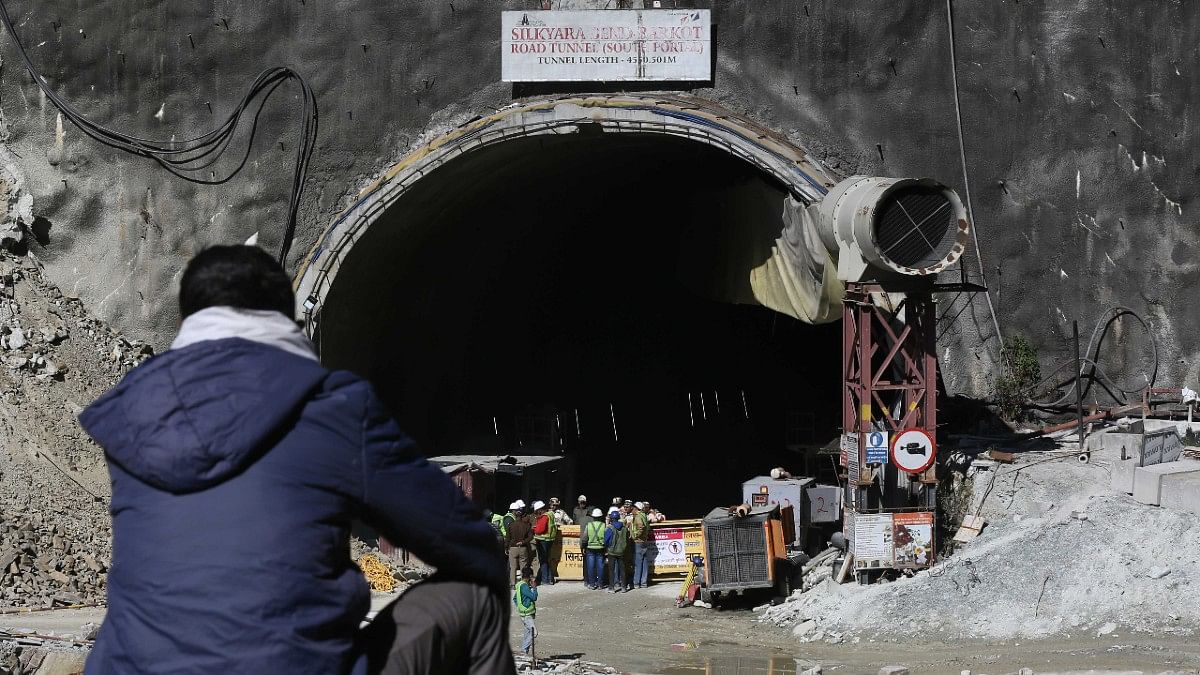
(567, 294)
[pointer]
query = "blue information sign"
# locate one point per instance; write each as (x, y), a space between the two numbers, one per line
(877, 447)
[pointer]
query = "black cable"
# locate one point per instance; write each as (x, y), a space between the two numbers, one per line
(1092, 373)
(183, 158)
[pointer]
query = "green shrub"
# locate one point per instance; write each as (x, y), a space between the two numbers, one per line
(1019, 374)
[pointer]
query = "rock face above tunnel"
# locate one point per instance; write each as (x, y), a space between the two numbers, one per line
(1081, 156)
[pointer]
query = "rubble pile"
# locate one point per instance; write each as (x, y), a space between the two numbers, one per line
(49, 560)
(1061, 556)
(566, 666)
(55, 358)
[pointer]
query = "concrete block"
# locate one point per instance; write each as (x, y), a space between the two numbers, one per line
(1156, 442)
(1148, 480)
(1111, 445)
(1122, 475)
(1181, 492)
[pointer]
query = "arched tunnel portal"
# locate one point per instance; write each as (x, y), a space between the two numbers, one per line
(571, 276)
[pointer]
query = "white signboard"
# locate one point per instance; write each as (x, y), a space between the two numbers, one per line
(873, 540)
(606, 45)
(670, 546)
(849, 447)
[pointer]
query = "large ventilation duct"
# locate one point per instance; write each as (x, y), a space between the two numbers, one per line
(879, 228)
(864, 229)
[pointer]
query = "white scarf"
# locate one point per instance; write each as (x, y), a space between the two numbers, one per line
(262, 326)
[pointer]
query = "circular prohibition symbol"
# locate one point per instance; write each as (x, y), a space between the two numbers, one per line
(913, 450)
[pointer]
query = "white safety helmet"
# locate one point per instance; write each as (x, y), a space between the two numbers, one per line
(582, 498)
(639, 505)
(514, 506)
(520, 503)
(539, 504)
(597, 513)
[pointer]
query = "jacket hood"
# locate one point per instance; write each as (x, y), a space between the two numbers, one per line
(195, 416)
(266, 327)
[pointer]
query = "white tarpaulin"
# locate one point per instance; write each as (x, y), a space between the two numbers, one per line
(800, 278)
(606, 45)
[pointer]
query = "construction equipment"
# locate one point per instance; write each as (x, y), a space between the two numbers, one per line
(691, 583)
(748, 552)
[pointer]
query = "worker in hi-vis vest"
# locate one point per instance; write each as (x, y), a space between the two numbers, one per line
(545, 532)
(593, 538)
(525, 598)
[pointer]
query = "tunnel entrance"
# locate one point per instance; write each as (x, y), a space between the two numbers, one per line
(576, 294)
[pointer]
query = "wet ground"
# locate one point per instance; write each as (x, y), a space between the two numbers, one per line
(643, 632)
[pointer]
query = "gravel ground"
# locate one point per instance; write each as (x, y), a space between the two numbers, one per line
(643, 632)
(1062, 558)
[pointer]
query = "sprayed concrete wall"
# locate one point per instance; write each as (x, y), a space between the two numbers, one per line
(1080, 124)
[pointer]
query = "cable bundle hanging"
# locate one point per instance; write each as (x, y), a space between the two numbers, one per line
(1093, 373)
(186, 158)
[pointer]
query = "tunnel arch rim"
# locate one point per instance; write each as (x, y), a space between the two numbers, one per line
(681, 116)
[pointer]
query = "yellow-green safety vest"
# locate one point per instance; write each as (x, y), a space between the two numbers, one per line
(551, 529)
(500, 523)
(523, 609)
(595, 535)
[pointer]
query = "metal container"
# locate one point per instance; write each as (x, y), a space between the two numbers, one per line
(766, 491)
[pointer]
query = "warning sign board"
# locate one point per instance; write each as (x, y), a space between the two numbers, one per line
(674, 547)
(872, 540)
(899, 540)
(912, 539)
(849, 448)
(913, 450)
(877, 447)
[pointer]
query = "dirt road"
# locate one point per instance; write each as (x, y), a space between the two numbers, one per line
(643, 632)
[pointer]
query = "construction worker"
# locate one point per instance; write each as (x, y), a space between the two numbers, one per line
(506, 520)
(615, 539)
(518, 537)
(496, 520)
(581, 512)
(559, 513)
(593, 541)
(640, 533)
(653, 514)
(525, 597)
(237, 462)
(545, 533)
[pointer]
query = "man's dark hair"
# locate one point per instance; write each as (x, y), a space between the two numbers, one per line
(527, 572)
(246, 277)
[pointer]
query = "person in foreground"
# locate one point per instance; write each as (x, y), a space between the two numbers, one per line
(238, 464)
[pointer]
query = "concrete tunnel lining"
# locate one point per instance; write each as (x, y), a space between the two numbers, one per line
(676, 115)
(677, 314)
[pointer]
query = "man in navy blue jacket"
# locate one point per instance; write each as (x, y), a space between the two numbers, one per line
(238, 464)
